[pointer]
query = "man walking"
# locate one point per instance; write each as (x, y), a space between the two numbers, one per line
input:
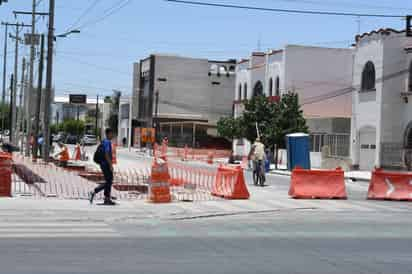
(106, 166)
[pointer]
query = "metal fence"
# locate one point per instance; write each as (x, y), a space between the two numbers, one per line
(339, 144)
(392, 155)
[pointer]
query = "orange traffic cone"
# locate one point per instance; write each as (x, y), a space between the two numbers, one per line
(77, 153)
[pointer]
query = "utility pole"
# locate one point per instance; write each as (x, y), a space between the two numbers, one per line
(3, 95)
(13, 128)
(23, 108)
(31, 80)
(38, 99)
(10, 107)
(49, 78)
(20, 109)
(97, 115)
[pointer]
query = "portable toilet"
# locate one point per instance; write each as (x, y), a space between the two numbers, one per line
(298, 150)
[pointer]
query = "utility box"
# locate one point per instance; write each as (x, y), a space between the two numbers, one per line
(298, 146)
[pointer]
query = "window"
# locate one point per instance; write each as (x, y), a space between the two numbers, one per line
(245, 92)
(213, 69)
(271, 87)
(368, 77)
(258, 89)
(239, 95)
(222, 69)
(277, 86)
(410, 77)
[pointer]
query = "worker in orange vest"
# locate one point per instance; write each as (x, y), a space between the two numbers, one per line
(64, 155)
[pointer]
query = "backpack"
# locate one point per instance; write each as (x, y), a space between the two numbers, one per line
(98, 156)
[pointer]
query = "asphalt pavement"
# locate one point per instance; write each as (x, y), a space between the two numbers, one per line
(288, 242)
(269, 233)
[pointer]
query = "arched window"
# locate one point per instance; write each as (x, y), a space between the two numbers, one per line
(368, 77)
(277, 86)
(245, 92)
(410, 77)
(258, 89)
(271, 87)
(239, 95)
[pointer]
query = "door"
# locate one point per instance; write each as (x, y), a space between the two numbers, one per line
(367, 139)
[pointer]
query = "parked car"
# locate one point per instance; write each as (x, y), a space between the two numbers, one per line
(72, 140)
(89, 140)
(59, 137)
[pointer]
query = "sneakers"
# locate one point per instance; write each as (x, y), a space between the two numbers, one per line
(91, 196)
(109, 203)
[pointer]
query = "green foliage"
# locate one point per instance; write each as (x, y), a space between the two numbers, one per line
(74, 127)
(229, 127)
(273, 119)
(5, 110)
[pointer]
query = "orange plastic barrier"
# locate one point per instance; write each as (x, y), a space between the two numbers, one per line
(390, 186)
(210, 158)
(5, 174)
(230, 183)
(77, 153)
(114, 154)
(159, 188)
(317, 184)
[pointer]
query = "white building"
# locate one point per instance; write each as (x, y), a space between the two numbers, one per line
(124, 120)
(183, 97)
(321, 76)
(382, 106)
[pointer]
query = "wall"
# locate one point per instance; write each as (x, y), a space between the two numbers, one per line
(190, 93)
(275, 69)
(314, 73)
(366, 113)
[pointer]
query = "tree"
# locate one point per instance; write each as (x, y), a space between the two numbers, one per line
(74, 127)
(114, 101)
(274, 120)
(5, 112)
(230, 128)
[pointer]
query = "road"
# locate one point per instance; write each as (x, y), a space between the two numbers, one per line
(269, 233)
(288, 242)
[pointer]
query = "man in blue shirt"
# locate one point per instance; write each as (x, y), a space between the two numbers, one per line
(107, 168)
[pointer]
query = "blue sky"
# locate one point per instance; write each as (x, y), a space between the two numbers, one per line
(100, 58)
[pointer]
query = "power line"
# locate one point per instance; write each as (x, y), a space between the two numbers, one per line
(290, 11)
(109, 12)
(87, 11)
(342, 4)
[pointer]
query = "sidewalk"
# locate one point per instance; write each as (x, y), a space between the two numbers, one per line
(363, 176)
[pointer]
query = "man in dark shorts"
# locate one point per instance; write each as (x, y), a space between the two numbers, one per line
(107, 168)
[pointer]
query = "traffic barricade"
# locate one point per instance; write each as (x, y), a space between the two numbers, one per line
(317, 184)
(159, 187)
(5, 174)
(77, 153)
(230, 183)
(386, 185)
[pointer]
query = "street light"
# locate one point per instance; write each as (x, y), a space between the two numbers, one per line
(64, 35)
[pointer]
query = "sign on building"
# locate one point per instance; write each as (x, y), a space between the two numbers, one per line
(148, 135)
(78, 98)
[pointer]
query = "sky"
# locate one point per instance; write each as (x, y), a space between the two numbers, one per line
(116, 33)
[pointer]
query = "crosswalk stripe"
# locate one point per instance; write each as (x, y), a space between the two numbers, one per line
(55, 230)
(62, 225)
(55, 235)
